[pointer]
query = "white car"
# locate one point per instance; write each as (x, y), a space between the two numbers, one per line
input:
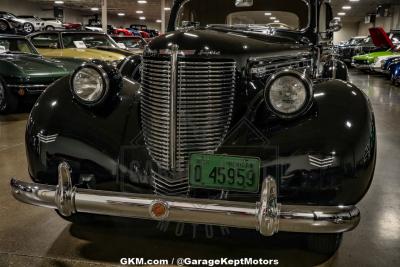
(51, 24)
(380, 61)
(30, 24)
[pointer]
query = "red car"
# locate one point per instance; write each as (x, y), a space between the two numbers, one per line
(72, 26)
(122, 32)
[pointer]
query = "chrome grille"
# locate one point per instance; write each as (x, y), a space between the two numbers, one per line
(204, 103)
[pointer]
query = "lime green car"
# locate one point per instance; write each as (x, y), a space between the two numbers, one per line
(380, 39)
(365, 61)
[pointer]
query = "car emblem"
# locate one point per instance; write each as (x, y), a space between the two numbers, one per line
(46, 139)
(321, 162)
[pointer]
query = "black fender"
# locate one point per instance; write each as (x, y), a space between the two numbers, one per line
(61, 129)
(335, 69)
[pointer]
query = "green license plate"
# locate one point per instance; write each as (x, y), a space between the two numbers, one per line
(224, 172)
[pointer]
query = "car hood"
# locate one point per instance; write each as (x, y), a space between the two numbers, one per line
(227, 43)
(380, 38)
(374, 55)
(37, 66)
(87, 54)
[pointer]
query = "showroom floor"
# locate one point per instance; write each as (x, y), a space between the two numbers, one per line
(33, 236)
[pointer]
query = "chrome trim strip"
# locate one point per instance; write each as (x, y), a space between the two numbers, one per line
(267, 216)
(173, 106)
(27, 85)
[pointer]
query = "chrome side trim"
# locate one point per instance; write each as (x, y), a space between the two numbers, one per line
(267, 216)
(27, 85)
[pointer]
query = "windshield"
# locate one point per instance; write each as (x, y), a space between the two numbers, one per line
(131, 42)
(87, 40)
(283, 14)
(16, 45)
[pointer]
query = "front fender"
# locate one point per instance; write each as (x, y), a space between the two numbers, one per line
(335, 69)
(59, 128)
(326, 157)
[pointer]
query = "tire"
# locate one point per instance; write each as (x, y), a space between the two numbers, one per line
(8, 100)
(50, 28)
(324, 243)
(4, 27)
(28, 28)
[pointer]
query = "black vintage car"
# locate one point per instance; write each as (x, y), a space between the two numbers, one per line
(223, 122)
(356, 46)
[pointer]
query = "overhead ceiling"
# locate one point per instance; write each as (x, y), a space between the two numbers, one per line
(152, 10)
(358, 9)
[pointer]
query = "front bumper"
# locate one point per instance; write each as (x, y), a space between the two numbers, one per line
(361, 66)
(267, 216)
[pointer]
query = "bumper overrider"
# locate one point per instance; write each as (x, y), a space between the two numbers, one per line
(267, 216)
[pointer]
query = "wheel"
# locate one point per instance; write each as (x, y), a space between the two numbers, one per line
(8, 100)
(4, 27)
(324, 243)
(28, 28)
(50, 28)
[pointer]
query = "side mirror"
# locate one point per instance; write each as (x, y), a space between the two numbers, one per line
(244, 3)
(335, 25)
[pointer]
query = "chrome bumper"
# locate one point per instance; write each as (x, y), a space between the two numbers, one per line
(267, 216)
(361, 66)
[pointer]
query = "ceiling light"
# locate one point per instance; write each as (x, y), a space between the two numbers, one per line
(142, 2)
(277, 21)
(354, 0)
(346, 7)
(121, 14)
(58, 2)
(159, 21)
(337, 18)
(94, 9)
(272, 18)
(167, 8)
(267, 13)
(142, 18)
(341, 14)
(139, 12)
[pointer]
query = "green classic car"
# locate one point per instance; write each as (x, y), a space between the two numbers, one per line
(380, 39)
(24, 74)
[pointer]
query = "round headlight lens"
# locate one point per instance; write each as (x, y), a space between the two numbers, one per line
(88, 84)
(288, 93)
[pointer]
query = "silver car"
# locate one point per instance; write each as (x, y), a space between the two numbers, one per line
(30, 24)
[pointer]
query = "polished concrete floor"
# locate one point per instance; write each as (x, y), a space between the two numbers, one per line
(33, 236)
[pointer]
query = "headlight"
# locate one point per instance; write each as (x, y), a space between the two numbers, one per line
(90, 84)
(288, 93)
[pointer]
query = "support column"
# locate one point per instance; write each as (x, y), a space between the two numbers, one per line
(104, 21)
(162, 17)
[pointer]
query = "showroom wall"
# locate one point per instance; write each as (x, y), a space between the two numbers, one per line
(25, 7)
(349, 30)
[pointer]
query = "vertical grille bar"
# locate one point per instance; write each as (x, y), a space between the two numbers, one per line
(173, 105)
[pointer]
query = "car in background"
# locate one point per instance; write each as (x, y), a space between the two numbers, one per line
(24, 73)
(31, 24)
(72, 26)
(118, 31)
(356, 46)
(51, 24)
(79, 44)
(133, 43)
(390, 44)
(9, 23)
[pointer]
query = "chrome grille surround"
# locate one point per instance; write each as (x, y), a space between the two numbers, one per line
(202, 94)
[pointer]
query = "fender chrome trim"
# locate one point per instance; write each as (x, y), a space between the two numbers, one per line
(267, 216)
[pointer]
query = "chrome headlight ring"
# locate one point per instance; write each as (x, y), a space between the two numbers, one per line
(90, 84)
(288, 93)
